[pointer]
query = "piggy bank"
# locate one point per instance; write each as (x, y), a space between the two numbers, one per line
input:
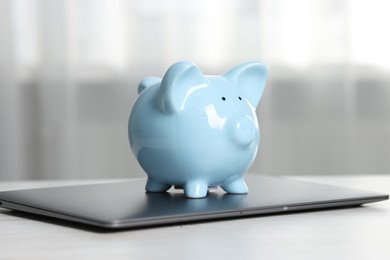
(195, 132)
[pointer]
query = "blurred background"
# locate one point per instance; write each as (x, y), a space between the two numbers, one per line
(69, 72)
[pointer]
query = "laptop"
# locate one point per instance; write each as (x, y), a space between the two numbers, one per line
(125, 204)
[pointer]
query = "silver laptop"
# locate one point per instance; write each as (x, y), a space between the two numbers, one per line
(125, 204)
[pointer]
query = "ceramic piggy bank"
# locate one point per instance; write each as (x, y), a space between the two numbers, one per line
(194, 131)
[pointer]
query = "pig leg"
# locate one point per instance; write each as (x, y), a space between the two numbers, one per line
(237, 186)
(195, 189)
(156, 186)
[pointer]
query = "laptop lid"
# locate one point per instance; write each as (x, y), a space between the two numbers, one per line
(125, 204)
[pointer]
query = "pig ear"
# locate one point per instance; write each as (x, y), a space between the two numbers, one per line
(148, 82)
(250, 77)
(180, 79)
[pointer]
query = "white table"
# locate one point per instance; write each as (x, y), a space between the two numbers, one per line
(351, 233)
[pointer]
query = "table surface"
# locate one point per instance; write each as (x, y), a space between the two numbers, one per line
(348, 233)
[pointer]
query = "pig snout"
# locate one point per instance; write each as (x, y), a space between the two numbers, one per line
(243, 131)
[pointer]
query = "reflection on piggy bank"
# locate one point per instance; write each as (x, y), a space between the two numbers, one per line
(197, 131)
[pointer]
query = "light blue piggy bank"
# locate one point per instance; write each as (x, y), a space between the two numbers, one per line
(194, 131)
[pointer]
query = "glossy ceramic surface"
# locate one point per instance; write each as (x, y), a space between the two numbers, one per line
(195, 131)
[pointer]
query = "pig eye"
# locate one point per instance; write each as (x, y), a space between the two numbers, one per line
(239, 98)
(223, 98)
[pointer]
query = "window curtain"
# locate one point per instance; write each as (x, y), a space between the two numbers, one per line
(69, 71)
